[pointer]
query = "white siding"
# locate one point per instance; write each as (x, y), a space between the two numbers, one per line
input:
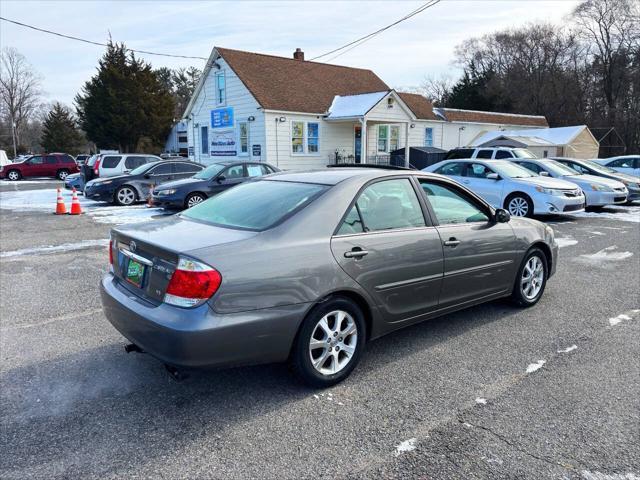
(417, 134)
(454, 137)
(244, 106)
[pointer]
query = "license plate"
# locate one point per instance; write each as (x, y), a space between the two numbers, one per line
(135, 273)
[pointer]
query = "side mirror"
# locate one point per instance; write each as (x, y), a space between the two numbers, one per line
(544, 174)
(221, 178)
(502, 216)
(147, 175)
(493, 176)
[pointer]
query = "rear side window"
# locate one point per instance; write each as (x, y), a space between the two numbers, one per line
(459, 153)
(236, 171)
(186, 168)
(51, 160)
(485, 154)
(455, 168)
(163, 169)
(622, 163)
(67, 159)
(503, 154)
(255, 205)
(134, 162)
(257, 170)
(111, 161)
(388, 205)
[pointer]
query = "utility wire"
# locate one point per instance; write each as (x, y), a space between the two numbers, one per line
(361, 40)
(97, 43)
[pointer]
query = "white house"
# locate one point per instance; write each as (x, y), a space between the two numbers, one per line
(298, 114)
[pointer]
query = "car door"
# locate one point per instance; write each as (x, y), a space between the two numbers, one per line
(624, 165)
(387, 247)
(227, 178)
(454, 170)
(50, 166)
(34, 167)
(185, 170)
(479, 253)
(475, 178)
(155, 176)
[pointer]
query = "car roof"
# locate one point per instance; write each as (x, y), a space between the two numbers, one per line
(332, 177)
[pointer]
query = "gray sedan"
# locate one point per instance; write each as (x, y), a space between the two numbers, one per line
(309, 266)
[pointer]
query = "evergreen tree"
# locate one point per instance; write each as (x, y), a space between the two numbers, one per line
(60, 132)
(126, 105)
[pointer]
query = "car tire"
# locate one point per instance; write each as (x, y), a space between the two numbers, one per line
(531, 279)
(519, 205)
(194, 199)
(13, 175)
(329, 343)
(125, 195)
(62, 174)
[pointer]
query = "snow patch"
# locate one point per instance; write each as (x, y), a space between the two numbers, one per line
(535, 366)
(482, 401)
(65, 247)
(587, 475)
(606, 254)
(595, 232)
(565, 241)
(616, 320)
(623, 213)
(406, 446)
(568, 349)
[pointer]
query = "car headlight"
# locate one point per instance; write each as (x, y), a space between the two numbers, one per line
(600, 188)
(104, 182)
(635, 186)
(170, 191)
(549, 191)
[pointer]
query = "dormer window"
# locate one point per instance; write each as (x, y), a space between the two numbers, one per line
(221, 91)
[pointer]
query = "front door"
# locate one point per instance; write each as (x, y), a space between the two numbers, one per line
(229, 177)
(479, 253)
(357, 143)
(386, 247)
(489, 189)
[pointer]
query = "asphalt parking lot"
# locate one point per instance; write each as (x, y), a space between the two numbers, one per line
(489, 392)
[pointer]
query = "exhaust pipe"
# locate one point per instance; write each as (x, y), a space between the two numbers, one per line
(132, 347)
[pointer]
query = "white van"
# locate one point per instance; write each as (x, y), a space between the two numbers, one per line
(109, 165)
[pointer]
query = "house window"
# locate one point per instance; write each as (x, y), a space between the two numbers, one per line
(183, 139)
(312, 138)
(204, 140)
(428, 137)
(383, 138)
(394, 143)
(221, 93)
(244, 138)
(297, 137)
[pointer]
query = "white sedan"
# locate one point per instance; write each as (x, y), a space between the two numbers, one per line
(506, 185)
(629, 164)
(598, 191)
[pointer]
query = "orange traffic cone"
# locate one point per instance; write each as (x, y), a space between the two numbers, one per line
(61, 209)
(75, 204)
(150, 199)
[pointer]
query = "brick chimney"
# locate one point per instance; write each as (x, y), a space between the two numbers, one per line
(298, 55)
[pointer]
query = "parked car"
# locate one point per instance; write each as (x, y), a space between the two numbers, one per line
(598, 191)
(209, 182)
(590, 167)
(75, 180)
(506, 185)
(116, 164)
(136, 186)
(488, 153)
(629, 164)
(82, 159)
(87, 170)
(57, 165)
(309, 266)
(4, 160)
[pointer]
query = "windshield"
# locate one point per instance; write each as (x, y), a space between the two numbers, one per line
(142, 168)
(558, 168)
(209, 172)
(598, 167)
(255, 205)
(523, 153)
(511, 170)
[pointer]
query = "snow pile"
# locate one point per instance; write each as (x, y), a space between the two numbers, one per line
(535, 366)
(565, 241)
(624, 213)
(65, 247)
(406, 446)
(607, 254)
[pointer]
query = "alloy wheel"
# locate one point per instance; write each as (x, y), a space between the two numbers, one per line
(518, 207)
(532, 278)
(333, 342)
(194, 200)
(126, 196)
(13, 175)
(62, 175)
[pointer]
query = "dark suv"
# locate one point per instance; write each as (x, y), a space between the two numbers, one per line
(57, 165)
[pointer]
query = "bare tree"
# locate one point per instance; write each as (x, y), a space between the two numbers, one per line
(20, 91)
(437, 89)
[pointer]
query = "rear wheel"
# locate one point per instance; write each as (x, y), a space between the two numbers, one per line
(194, 199)
(13, 175)
(519, 205)
(125, 195)
(330, 342)
(62, 174)
(531, 279)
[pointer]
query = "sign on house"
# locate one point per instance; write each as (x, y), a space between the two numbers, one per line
(222, 118)
(223, 135)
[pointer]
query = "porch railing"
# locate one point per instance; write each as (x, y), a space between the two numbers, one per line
(340, 157)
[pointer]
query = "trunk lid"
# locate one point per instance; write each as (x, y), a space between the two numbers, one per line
(146, 255)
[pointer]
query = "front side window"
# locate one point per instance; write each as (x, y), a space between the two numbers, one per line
(51, 160)
(221, 93)
(383, 138)
(622, 163)
(394, 142)
(428, 137)
(35, 160)
(390, 204)
(204, 140)
(450, 205)
(477, 170)
(237, 171)
(255, 205)
(244, 138)
(164, 169)
(297, 137)
(455, 168)
(312, 137)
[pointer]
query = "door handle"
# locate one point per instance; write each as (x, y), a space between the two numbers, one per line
(466, 182)
(356, 253)
(452, 242)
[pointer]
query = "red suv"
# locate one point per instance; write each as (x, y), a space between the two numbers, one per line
(57, 165)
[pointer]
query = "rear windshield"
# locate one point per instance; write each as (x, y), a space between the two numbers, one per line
(255, 205)
(459, 153)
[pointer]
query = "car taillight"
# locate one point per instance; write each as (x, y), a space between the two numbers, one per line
(111, 253)
(96, 167)
(192, 284)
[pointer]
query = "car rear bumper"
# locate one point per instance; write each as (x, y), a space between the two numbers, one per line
(200, 337)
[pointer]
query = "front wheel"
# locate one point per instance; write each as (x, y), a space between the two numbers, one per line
(125, 195)
(519, 205)
(531, 279)
(62, 174)
(194, 199)
(13, 175)
(330, 342)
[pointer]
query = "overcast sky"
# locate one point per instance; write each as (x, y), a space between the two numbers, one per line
(401, 56)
